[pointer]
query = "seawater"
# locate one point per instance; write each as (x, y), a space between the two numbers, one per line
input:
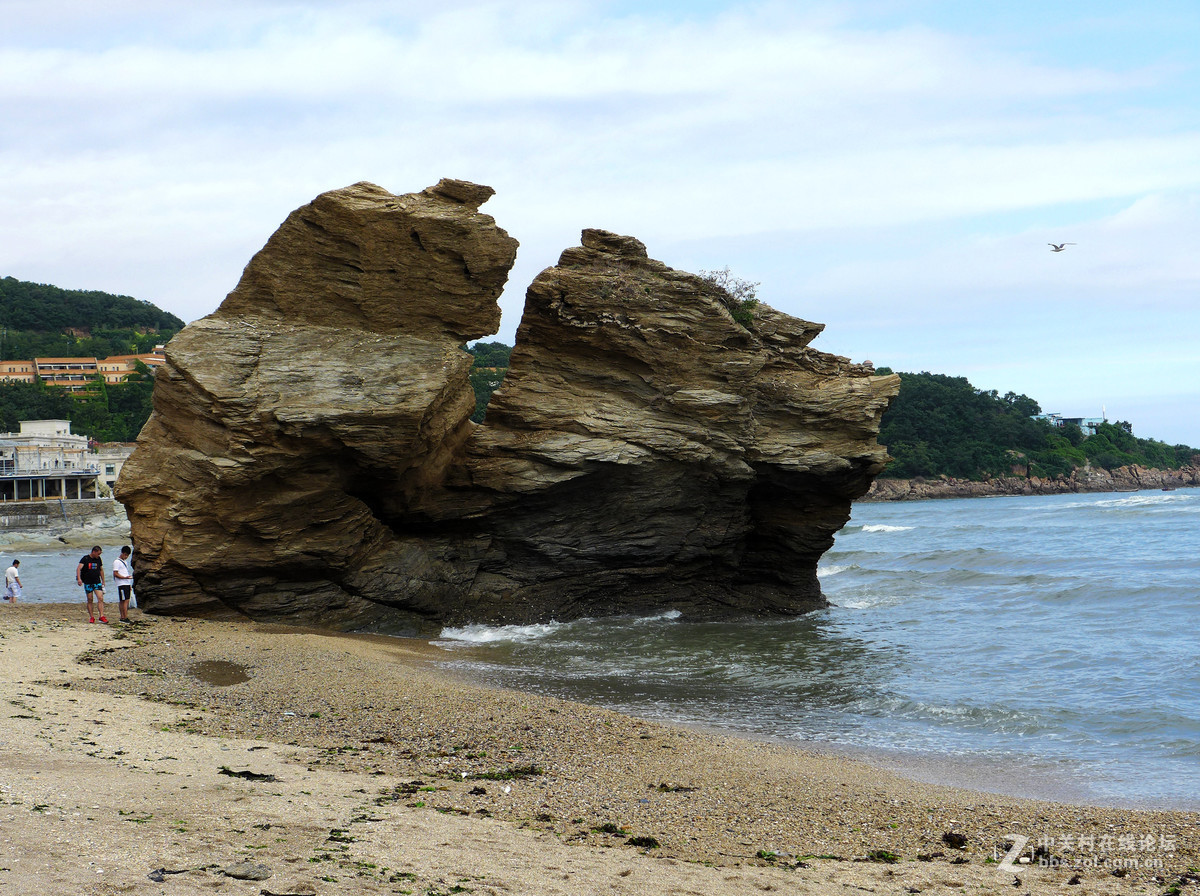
(1039, 646)
(48, 573)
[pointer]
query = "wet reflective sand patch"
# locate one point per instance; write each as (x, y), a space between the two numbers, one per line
(219, 673)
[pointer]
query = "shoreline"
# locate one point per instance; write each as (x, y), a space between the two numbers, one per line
(446, 783)
(100, 520)
(1024, 777)
(1079, 482)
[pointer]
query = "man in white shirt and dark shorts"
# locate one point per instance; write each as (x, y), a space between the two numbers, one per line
(122, 573)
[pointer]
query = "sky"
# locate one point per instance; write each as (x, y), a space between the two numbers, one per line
(894, 169)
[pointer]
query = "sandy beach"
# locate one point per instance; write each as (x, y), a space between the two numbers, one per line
(182, 756)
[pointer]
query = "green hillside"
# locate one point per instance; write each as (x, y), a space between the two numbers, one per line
(942, 425)
(38, 321)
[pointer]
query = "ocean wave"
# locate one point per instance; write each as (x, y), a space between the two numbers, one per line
(665, 616)
(492, 634)
(1138, 501)
(861, 599)
(828, 571)
(994, 718)
(479, 633)
(1187, 499)
(880, 527)
(859, 603)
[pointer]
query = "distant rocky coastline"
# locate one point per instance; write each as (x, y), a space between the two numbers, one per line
(29, 525)
(1123, 479)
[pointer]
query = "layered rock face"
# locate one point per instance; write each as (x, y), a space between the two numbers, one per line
(331, 378)
(654, 446)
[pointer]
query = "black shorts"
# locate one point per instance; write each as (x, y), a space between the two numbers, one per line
(124, 592)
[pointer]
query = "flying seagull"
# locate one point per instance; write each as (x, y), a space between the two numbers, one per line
(1058, 247)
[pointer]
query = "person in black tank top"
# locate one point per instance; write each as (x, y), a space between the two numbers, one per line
(90, 574)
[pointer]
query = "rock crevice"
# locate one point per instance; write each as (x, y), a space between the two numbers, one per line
(311, 455)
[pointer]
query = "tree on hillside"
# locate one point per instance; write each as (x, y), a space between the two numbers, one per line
(41, 321)
(487, 373)
(111, 413)
(943, 426)
(490, 354)
(44, 308)
(32, 401)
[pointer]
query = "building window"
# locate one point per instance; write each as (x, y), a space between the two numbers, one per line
(110, 469)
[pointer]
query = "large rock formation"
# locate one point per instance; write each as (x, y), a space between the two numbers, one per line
(655, 445)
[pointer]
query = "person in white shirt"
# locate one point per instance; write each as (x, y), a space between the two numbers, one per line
(12, 582)
(122, 573)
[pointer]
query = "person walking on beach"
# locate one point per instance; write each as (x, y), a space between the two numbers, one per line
(122, 574)
(90, 574)
(12, 582)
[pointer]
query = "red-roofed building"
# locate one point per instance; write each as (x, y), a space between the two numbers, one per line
(78, 374)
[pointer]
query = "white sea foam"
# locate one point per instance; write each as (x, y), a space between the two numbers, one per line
(1136, 501)
(491, 634)
(525, 634)
(880, 527)
(826, 571)
(665, 616)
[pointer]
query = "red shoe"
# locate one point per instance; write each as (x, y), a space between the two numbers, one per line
(93, 619)
(103, 619)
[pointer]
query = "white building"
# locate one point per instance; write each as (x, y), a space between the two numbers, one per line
(109, 458)
(45, 461)
(1089, 425)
